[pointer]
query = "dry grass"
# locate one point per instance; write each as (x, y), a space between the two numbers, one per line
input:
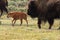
(8, 32)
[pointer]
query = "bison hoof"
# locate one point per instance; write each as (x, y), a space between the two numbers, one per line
(39, 27)
(49, 28)
(12, 24)
(20, 24)
(59, 28)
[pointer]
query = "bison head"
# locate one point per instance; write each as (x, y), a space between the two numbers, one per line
(32, 9)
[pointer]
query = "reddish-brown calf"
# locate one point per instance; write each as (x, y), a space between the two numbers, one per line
(16, 16)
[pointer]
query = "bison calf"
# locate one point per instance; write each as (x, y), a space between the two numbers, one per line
(16, 16)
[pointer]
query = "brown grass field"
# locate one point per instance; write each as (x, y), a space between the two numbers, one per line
(32, 32)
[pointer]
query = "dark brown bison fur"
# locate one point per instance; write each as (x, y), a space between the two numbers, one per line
(18, 16)
(3, 5)
(32, 11)
(44, 11)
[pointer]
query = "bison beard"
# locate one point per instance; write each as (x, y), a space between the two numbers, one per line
(3, 4)
(51, 12)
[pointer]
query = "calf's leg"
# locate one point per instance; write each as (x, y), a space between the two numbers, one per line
(13, 22)
(21, 22)
(26, 21)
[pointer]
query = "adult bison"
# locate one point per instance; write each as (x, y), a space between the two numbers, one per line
(3, 5)
(44, 10)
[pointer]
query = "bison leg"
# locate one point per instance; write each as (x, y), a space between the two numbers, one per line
(1, 13)
(5, 9)
(51, 21)
(39, 23)
(26, 21)
(13, 22)
(21, 22)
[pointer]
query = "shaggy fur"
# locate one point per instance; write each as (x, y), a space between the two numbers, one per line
(45, 11)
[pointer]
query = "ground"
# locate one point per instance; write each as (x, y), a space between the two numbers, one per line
(32, 32)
